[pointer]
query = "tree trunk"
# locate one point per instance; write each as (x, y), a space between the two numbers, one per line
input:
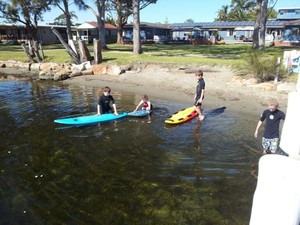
(264, 18)
(36, 51)
(120, 37)
(255, 43)
(42, 51)
(119, 25)
(100, 19)
(27, 53)
(68, 20)
(137, 49)
(73, 55)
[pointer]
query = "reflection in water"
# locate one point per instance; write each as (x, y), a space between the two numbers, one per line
(197, 134)
(131, 171)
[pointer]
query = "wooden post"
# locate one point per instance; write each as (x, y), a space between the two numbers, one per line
(84, 52)
(298, 83)
(277, 71)
(97, 51)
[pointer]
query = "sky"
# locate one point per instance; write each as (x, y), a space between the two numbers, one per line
(171, 11)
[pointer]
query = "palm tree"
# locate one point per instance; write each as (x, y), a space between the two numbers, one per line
(223, 13)
(242, 10)
(62, 19)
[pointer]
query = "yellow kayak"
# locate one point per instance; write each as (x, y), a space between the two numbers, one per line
(182, 116)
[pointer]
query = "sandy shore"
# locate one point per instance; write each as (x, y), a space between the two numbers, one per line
(223, 88)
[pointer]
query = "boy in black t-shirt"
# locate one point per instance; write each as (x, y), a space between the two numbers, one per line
(199, 96)
(272, 115)
(105, 101)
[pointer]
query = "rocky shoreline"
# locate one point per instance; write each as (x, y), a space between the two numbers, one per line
(56, 71)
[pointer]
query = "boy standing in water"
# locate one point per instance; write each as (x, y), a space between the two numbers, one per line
(272, 115)
(199, 96)
(105, 101)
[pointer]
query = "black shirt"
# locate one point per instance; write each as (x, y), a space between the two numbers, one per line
(104, 102)
(200, 87)
(272, 122)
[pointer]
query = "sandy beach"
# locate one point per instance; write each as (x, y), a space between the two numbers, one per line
(223, 87)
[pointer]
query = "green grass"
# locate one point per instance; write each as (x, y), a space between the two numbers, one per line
(228, 55)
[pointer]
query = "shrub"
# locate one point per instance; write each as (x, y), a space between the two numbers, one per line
(261, 66)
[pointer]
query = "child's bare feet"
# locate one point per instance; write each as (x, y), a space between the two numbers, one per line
(201, 118)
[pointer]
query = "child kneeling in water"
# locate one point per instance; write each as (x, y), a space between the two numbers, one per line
(145, 103)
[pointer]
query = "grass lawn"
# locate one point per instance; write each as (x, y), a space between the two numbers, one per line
(122, 54)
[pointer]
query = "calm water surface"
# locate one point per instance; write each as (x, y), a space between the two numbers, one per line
(132, 171)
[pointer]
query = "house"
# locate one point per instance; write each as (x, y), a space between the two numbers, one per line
(149, 32)
(10, 33)
(88, 31)
(288, 13)
(291, 22)
(284, 30)
(227, 30)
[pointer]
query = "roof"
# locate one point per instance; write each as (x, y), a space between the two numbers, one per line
(152, 25)
(294, 22)
(93, 25)
(39, 25)
(225, 24)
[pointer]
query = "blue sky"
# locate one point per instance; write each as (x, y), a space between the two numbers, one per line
(173, 11)
(178, 11)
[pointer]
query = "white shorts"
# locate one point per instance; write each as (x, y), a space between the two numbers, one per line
(270, 145)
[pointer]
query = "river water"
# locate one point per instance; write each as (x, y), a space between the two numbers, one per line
(131, 171)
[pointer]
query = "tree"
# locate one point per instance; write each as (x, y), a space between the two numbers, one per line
(255, 36)
(61, 19)
(28, 13)
(263, 22)
(67, 14)
(100, 15)
(101, 21)
(239, 10)
(121, 10)
(242, 10)
(137, 49)
(223, 13)
(189, 21)
(263, 12)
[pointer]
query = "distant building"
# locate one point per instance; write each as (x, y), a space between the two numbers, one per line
(88, 31)
(285, 30)
(288, 13)
(18, 33)
(149, 32)
(227, 30)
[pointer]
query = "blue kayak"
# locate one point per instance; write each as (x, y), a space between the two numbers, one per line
(82, 120)
(139, 113)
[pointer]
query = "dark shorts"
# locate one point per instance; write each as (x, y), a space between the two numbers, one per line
(196, 103)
